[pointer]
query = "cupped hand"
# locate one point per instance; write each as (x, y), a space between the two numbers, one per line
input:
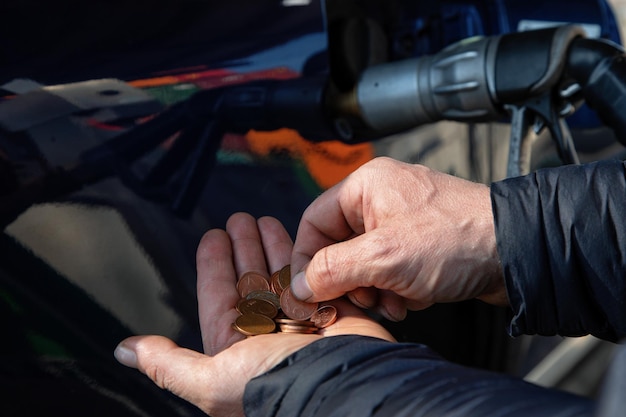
(397, 236)
(215, 381)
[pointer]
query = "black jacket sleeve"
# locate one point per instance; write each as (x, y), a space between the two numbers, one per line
(561, 235)
(346, 376)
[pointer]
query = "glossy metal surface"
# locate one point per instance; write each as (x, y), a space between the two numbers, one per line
(65, 41)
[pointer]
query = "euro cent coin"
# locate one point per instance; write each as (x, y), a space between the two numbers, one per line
(324, 316)
(284, 278)
(265, 295)
(254, 324)
(294, 308)
(252, 281)
(257, 306)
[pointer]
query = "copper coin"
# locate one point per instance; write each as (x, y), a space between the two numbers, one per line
(265, 295)
(324, 316)
(297, 328)
(257, 306)
(254, 324)
(274, 283)
(290, 328)
(252, 281)
(284, 277)
(283, 320)
(294, 308)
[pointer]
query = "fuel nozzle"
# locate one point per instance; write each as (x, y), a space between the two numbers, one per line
(454, 84)
(521, 76)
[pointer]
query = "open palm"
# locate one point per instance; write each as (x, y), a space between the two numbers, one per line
(215, 381)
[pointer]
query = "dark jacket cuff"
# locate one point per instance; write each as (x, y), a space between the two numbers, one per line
(561, 236)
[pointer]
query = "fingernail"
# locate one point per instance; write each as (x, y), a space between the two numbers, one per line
(392, 315)
(357, 302)
(125, 356)
(300, 287)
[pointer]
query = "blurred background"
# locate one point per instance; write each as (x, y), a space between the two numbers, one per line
(81, 270)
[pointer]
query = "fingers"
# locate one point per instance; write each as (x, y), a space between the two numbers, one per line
(364, 297)
(181, 371)
(248, 251)
(217, 293)
(323, 223)
(387, 303)
(277, 243)
(222, 257)
(262, 246)
(392, 306)
(341, 268)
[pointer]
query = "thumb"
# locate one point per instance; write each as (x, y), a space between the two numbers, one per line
(336, 270)
(169, 366)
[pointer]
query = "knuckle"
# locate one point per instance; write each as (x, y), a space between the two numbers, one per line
(330, 265)
(322, 268)
(159, 376)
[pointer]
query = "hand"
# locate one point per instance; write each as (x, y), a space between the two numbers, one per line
(215, 381)
(395, 236)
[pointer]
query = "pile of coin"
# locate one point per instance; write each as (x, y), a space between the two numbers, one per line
(267, 306)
